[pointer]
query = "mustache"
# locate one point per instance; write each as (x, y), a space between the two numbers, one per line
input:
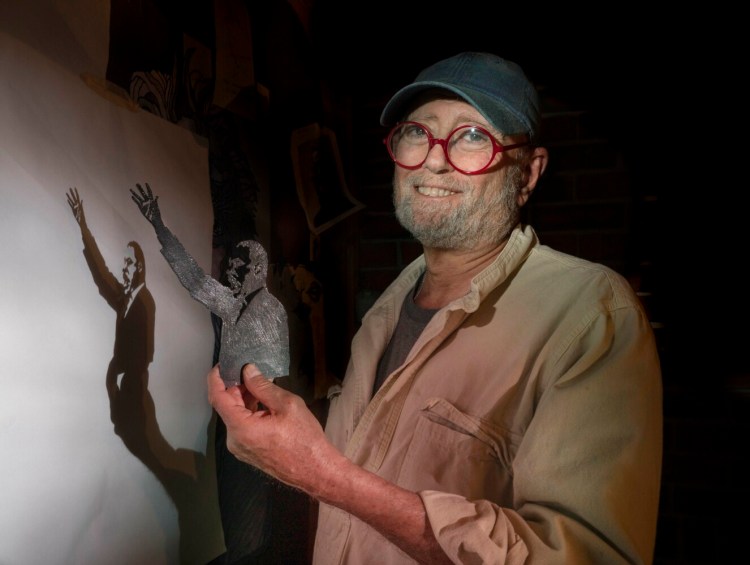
(448, 183)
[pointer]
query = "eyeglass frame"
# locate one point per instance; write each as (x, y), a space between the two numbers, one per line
(497, 147)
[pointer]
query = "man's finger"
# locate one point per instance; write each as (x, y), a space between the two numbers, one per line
(216, 388)
(257, 384)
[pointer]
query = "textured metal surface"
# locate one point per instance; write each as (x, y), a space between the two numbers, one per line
(254, 323)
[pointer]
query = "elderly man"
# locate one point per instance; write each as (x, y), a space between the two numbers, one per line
(502, 402)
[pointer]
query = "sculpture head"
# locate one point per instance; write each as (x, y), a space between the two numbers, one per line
(247, 268)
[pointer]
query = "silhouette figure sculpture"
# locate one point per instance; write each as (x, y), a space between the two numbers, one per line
(254, 323)
(252, 326)
(185, 474)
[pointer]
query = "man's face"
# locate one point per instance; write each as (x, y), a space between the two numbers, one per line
(237, 268)
(243, 272)
(129, 268)
(446, 209)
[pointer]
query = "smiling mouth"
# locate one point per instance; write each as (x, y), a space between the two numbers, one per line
(433, 191)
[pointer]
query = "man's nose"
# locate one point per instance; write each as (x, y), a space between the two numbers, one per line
(437, 159)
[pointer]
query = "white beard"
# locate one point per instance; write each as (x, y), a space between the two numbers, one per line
(475, 222)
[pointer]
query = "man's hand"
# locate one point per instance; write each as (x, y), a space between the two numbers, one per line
(147, 203)
(76, 204)
(272, 429)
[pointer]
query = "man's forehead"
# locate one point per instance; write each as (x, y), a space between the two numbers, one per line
(249, 249)
(458, 110)
(240, 252)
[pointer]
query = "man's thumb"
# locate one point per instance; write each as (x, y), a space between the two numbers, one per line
(259, 385)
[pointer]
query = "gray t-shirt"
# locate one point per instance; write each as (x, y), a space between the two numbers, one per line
(411, 322)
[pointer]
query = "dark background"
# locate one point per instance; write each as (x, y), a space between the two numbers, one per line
(637, 115)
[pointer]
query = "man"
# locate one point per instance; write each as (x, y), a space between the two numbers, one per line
(502, 402)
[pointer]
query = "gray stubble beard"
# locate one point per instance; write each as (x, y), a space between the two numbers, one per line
(486, 221)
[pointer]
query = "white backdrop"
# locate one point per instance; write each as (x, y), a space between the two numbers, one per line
(70, 490)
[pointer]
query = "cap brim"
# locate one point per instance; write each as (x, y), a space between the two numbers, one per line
(505, 122)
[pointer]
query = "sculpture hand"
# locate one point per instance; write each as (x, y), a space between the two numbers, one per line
(147, 203)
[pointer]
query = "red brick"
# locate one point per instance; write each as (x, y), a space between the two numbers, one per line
(603, 185)
(410, 250)
(378, 254)
(376, 280)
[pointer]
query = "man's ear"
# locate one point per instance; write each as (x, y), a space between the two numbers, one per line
(535, 167)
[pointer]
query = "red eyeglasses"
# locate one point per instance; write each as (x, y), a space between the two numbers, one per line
(469, 149)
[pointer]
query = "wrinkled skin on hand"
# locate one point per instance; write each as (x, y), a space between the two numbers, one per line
(272, 429)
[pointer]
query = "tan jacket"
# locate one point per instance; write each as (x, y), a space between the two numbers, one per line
(528, 417)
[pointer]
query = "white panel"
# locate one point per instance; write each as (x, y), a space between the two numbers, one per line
(70, 490)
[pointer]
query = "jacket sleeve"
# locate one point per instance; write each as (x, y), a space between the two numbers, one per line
(109, 287)
(203, 288)
(587, 472)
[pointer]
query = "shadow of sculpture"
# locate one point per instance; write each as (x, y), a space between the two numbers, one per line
(187, 476)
